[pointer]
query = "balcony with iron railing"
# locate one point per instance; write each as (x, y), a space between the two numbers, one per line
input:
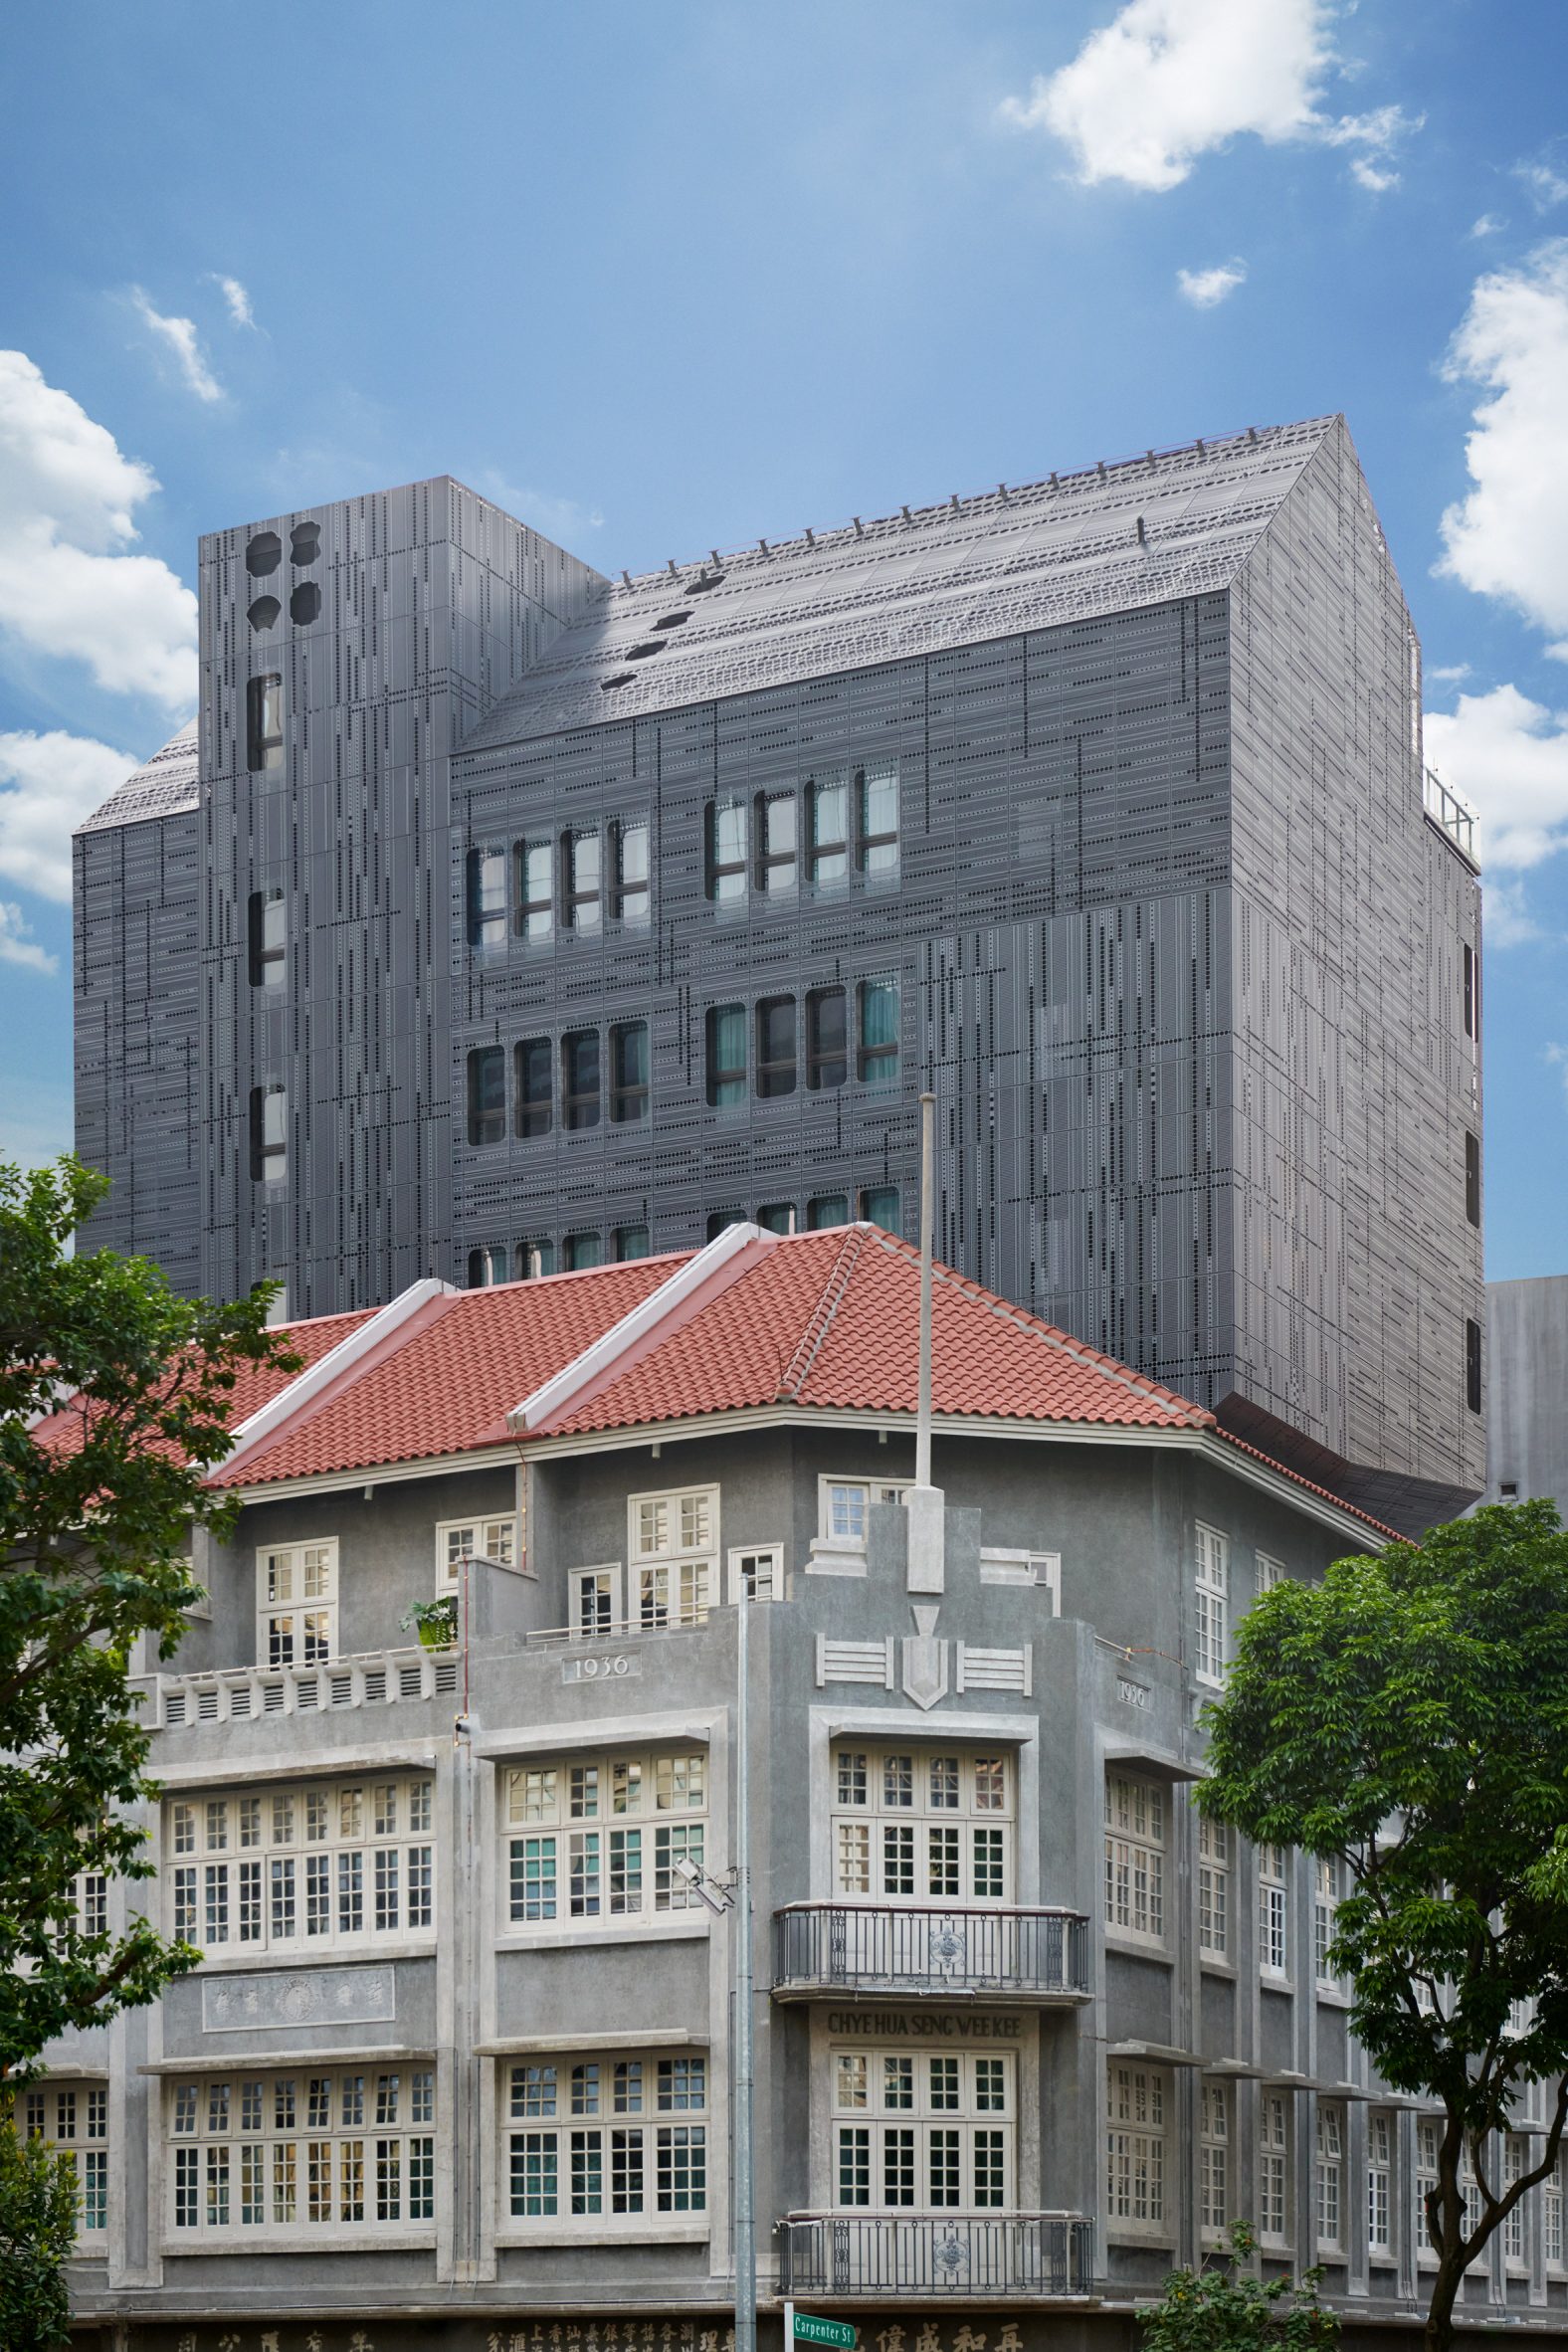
(236, 1695)
(1011, 1955)
(955, 2256)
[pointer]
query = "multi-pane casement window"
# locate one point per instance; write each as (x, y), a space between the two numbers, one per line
(876, 819)
(918, 2132)
(1427, 2136)
(776, 1055)
(922, 1826)
(1212, 1604)
(580, 1079)
(778, 844)
(74, 2118)
(828, 809)
(1328, 2176)
(303, 2156)
(534, 1059)
(1515, 2163)
(296, 1604)
(756, 1573)
(1135, 1833)
(1273, 2168)
(726, 848)
(267, 927)
(1214, 2137)
(457, 1540)
(582, 902)
(1269, 1573)
(672, 1557)
(1552, 2238)
(487, 1094)
(533, 870)
(264, 724)
(1214, 1890)
(629, 875)
(1137, 2106)
(1273, 1943)
(487, 882)
(618, 2141)
(843, 1505)
(269, 1135)
(1380, 2185)
(877, 1061)
(627, 1073)
(726, 1056)
(314, 1869)
(1328, 1882)
(599, 1838)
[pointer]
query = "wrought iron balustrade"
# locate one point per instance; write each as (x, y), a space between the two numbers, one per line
(847, 1947)
(1016, 2253)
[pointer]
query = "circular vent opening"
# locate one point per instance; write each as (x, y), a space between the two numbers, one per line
(671, 620)
(306, 602)
(305, 543)
(264, 613)
(621, 677)
(648, 645)
(264, 554)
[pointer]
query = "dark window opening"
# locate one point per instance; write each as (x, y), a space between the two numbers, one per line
(827, 1040)
(778, 1216)
(264, 613)
(487, 1094)
(269, 1135)
(580, 1079)
(1472, 1364)
(703, 583)
(535, 1260)
(1470, 990)
(305, 603)
(622, 678)
(535, 1060)
(264, 722)
(726, 1056)
(829, 1209)
(580, 1250)
(1473, 1178)
(488, 1266)
(305, 543)
(580, 881)
(777, 1046)
(671, 620)
(630, 838)
(264, 554)
(269, 939)
(778, 843)
(723, 1219)
(629, 1074)
(1509, 1490)
(645, 652)
(877, 791)
(487, 897)
(726, 823)
(534, 869)
(878, 1046)
(879, 1206)
(830, 831)
(630, 1241)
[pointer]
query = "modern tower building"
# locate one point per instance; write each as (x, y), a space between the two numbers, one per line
(502, 918)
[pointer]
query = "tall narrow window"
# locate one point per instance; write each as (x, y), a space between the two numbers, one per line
(777, 1046)
(726, 849)
(487, 1094)
(269, 1135)
(1274, 1945)
(1473, 1178)
(533, 864)
(487, 897)
(829, 829)
(879, 1206)
(269, 939)
(878, 813)
(580, 1079)
(1472, 1364)
(1214, 2157)
(1380, 2180)
(534, 1058)
(878, 1040)
(580, 882)
(827, 1040)
(629, 1074)
(778, 843)
(535, 1260)
(1213, 1584)
(264, 723)
(1134, 1858)
(1273, 2152)
(1330, 2174)
(1214, 1890)
(631, 869)
(488, 1266)
(1470, 989)
(726, 1056)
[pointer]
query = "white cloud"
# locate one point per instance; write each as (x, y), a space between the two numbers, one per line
(48, 784)
(1557, 1058)
(1204, 287)
(179, 337)
(68, 499)
(1168, 80)
(1508, 537)
(235, 294)
(16, 945)
(557, 518)
(1544, 186)
(1489, 225)
(1510, 922)
(1509, 756)
(1448, 672)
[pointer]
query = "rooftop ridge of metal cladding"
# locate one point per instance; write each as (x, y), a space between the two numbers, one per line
(162, 786)
(1105, 538)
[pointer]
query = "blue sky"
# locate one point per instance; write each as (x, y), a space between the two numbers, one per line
(666, 278)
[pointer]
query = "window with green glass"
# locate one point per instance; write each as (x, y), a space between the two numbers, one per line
(879, 1206)
(726, 1056)
(829, 1208)
(879, 1033)
(878, 794)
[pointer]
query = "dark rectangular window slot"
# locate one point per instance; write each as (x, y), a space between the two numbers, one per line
(879, 1033)
(580, 882)
(829, 1209)
(580, 1079)
(631, 869)
(1473, 1178)
(1470, 990)
(487, 1094)
(535, 1259)
(487, 897)
(725, 823)
(778, 843)
(827, 1040)
(535, 1059)
(532, 864)
(269, 939)
(488, 1266)
(580, 1250)
(777, 1217)
(629, 1074)
(879, 1206)
(777, 1046)
(726, 1056)
(269, 1135)
(829, 829)
(264, 722)
(630, 1241)
(876, 796)
(1472, 1364)
(723, 1219)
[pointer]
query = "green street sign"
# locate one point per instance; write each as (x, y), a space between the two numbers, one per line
(824, 2331)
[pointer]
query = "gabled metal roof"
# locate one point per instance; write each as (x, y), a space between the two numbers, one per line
(1139, 531)
(162, 787)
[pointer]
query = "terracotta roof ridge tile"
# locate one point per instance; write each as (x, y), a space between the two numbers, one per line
(819, 1321)
(287, 1429)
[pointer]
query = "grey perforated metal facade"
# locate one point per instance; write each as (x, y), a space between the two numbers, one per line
(1173, 940)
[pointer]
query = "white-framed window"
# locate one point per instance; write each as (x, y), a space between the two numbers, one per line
(1274, 1941)
(1380, 2184)
(297, 1603)
(73, 2117)
(473, 1539)
(595, 1600)
(756, 1572)
(1552, 2219)
(672, 1557)
(917, 2130)
(844, 1504)
(1213, 1589)
(304, 2155)
(601, 1837)
(1135, 1833)
(1327, 1884)
(1043, 1570)
(1213, 1888)
(1214, 2137)
(1330, 2176)
(1427, 2136)
(622, 2141)
(1271, 1572)
(316, 1868)
(1139, 2104)
(1515, 2163)
(1273, 2168)
(922, 1826)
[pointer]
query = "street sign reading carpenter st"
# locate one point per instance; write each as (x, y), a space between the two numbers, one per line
(824, 2331)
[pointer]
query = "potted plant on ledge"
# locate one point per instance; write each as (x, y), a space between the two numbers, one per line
(435, 1622)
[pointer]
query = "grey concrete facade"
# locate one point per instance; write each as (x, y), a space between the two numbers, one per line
(1058, 1663)
(1527, 1398)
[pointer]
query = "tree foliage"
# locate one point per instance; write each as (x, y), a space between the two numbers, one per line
(113, 1394)
(1410, 1717)
(1226, 2308)
(37, 2227)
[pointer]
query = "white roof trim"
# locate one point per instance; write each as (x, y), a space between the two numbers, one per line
(269, 1418)
(596, 1360)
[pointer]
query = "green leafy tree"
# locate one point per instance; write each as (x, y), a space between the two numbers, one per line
(1410, 1717)
(1224, 2308)
(113, 1395)
(38, 2229)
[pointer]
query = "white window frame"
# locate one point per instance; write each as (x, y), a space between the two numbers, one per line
(671, 1581)
(597, 1601)
(1041, 1569)
(759, 1564)
(586, 1838)
(1271, 1572)
(1428, 2134)
(73, 2116)
(839, 1538)
(1554, 2239)
(492, 1537)
(1137, 1847)
(282, 1867)
(1328, 2184)
(1273, 2168)
(1140, 2180)
(1381, 2143)
(1212, 1604)
(1274, 1913)
(319, 1606)
(211, 2144)
(1216, 2139)
(1327, 1891)
(1216, 1883)
(959, 1824)
(899, 2110)
(593, 2122)
(1515, 2163)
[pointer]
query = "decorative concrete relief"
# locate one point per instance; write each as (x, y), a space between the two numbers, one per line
(996, 1669)
(854, 1661)
(598, 1665)
(929, 1665)
(1132, 1694)
(319, 1996)
(926, 1657)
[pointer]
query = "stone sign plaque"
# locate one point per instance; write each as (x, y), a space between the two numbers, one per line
(318, 1996)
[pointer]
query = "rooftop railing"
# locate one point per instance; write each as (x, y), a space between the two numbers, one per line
(851, 1948)
(380, 1677)
(1449, 813)
(1020, 2253)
